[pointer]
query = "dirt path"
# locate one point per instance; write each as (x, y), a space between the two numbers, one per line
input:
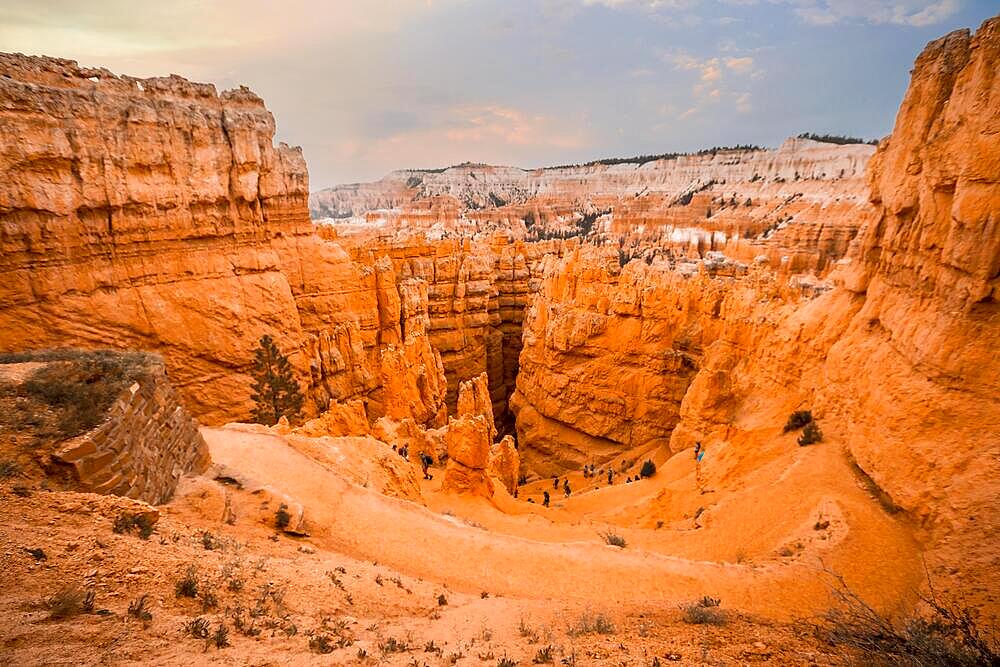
(561, 555)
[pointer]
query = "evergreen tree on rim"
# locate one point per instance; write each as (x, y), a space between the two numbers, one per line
(275, 390)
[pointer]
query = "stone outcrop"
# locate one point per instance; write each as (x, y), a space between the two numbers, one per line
(474, 400)
(143, 447)
(468, 443)
(610, 352)
(158, 214)
(505, 464)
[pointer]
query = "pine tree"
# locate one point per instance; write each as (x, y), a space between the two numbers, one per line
(275, 390)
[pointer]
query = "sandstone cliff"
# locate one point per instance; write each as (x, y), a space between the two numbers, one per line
(157, 214)
(799, 205)
(898, 362)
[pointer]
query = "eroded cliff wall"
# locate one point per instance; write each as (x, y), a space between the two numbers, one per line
(898, 361)
(158, 214)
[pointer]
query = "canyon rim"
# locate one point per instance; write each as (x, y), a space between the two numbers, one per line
(726, 406)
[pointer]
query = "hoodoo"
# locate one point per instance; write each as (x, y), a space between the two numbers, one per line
(726, 406)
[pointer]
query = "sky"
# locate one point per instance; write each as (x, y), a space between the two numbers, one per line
(370, 86)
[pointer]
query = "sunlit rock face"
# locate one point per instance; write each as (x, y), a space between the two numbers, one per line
(799, 205)
(158, 214)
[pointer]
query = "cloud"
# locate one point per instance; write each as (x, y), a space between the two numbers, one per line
(468, 132)
(648, 5)
(742, 103)
(740, 65)
(913, 13)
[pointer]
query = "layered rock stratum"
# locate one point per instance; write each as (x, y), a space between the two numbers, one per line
(506, 373)
(157, 214)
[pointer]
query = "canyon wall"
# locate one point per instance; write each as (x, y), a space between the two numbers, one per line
(898, 361)
(476, 291)
(157, 214)
(799, 205)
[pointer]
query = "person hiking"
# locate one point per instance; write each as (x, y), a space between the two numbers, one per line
(566, 487)
(697, 448)
(425, 462)
(404, 451)
(610, 476)
(545, 498)
(555, 481)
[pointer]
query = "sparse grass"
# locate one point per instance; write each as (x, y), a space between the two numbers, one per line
(197, 628)
(393, 645)
(9, 468)
(945, 633)
(705, 611)
(506, 662)
(208, 600)
(543, 656)
(221, 636)
(527, 632)
(137, 609)
(209, 541)
(589, 624)
(80, 385)
(321, 644)
(187, 585)
(69, 601)
(614, 540)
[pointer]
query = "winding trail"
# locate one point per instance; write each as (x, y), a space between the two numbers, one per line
(523, 550)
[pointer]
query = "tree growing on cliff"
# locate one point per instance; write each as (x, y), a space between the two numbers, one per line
(275, 391)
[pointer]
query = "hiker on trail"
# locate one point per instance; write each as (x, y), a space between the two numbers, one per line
(545, 498)
(566, 487)
(555, 481)
(610, 476)
(697, 448)
(425, 463)
(404, 451)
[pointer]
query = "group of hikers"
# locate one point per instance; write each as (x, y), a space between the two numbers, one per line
(426, 460)
(589, 471)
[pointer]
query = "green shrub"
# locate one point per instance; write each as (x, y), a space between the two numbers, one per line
(282, 518)
(797, 420)
(810, 434)
(187, 585)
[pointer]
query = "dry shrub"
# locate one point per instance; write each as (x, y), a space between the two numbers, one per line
(69, 601)
(705, 611)
(81, 385)
(589, 624)
(944, 633)
(614, 540)
(137, 609)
